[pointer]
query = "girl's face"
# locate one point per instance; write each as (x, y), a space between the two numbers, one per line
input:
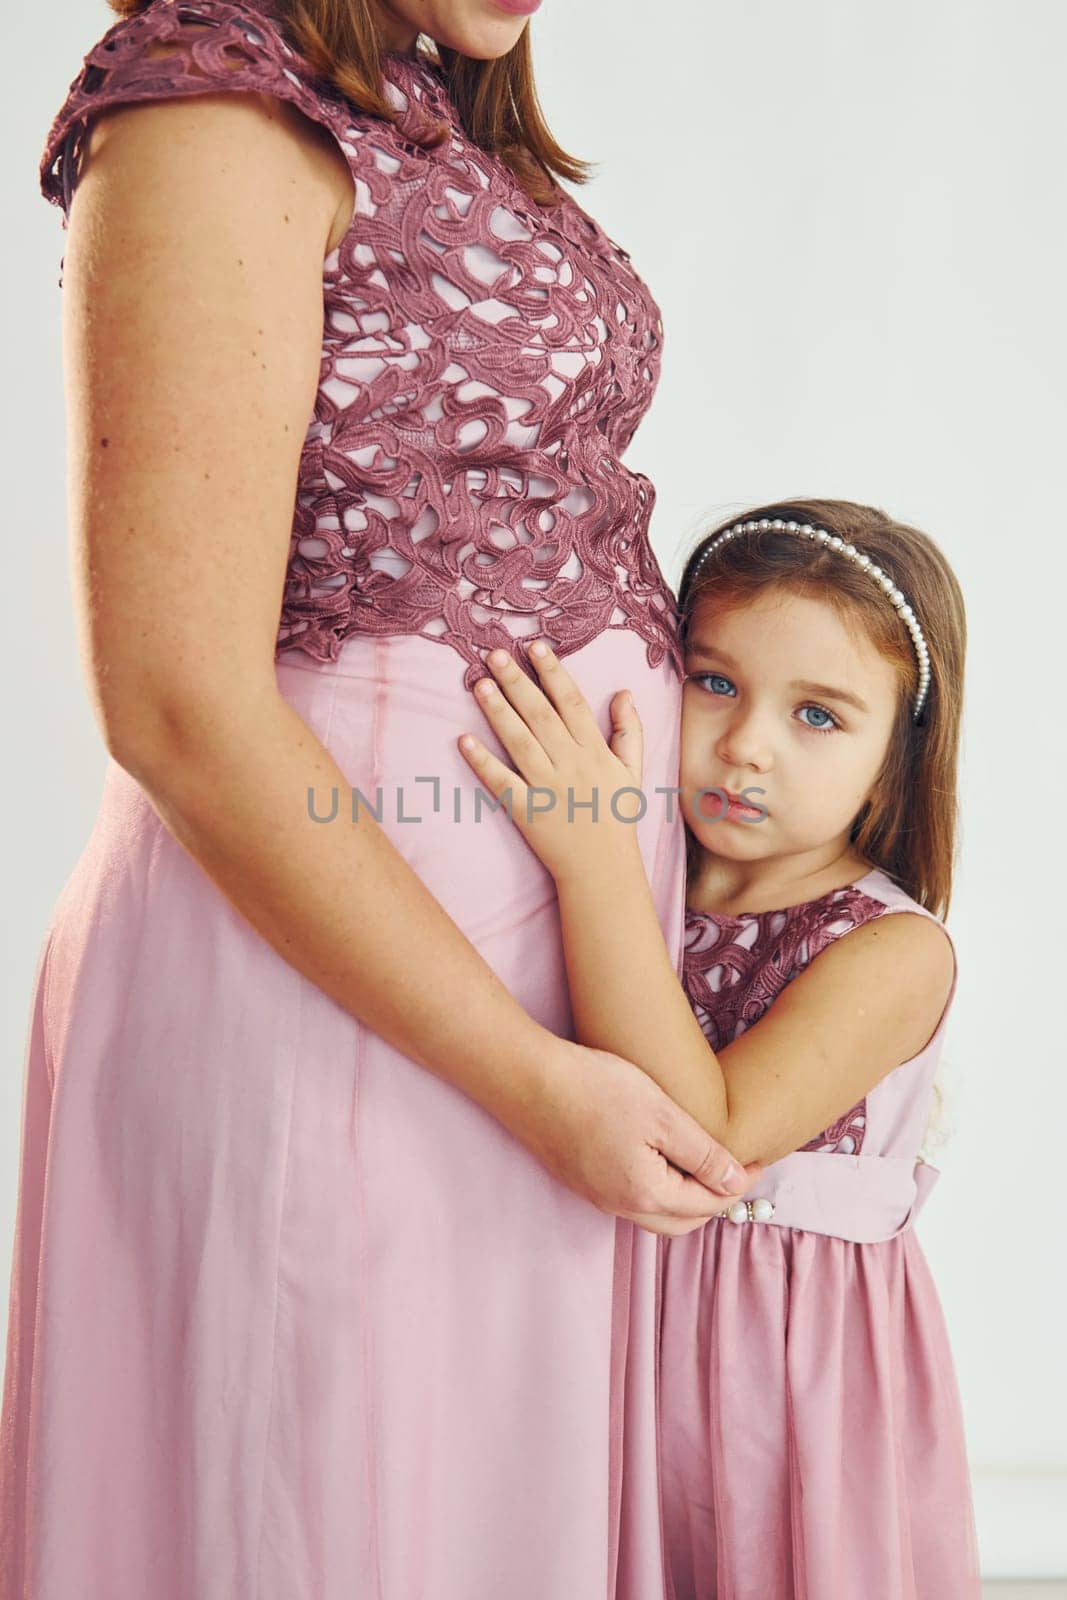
(770, 703)
(484, 29)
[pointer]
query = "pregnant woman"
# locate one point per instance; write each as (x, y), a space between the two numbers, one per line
(329, 1274)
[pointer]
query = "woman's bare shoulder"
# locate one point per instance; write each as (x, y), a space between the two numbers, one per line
(165, 68)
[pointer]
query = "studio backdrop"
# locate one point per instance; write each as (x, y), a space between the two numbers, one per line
(853, 219)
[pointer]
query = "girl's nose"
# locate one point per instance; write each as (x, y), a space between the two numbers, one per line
(742, 743)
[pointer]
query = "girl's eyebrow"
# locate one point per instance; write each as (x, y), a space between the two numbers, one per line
(702, 650)
(827, 692)
(705, 651)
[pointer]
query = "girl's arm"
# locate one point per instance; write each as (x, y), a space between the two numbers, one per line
(864, 1005)
(871, 1000)
(184, 455)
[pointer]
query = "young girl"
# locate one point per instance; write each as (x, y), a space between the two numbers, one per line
(812, 1437)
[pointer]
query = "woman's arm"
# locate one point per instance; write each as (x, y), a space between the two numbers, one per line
(193, 325)
(867, 1003)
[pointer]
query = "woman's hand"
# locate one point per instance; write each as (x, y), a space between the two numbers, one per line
(602, 1127)
(565, 796)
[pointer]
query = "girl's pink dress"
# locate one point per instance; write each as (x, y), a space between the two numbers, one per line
(291, 1318)
(812, 1435)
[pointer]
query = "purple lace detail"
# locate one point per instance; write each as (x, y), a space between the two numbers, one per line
(734, 967)
(485, 363)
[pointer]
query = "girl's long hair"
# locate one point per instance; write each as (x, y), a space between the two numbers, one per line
(496, 100)
(908, 826)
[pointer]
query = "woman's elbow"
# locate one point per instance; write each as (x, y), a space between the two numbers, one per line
(151, 733)
(129, 721)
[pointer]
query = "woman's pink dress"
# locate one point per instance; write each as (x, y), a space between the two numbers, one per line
(812, 1436)
(292, 1318)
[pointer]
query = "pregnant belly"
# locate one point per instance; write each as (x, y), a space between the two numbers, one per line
(390, 710)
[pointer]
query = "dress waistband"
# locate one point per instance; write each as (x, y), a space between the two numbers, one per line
(866, 1199)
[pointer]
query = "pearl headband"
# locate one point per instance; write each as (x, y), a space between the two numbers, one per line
(834, 542)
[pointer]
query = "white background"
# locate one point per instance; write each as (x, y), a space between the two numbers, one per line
(853, 218)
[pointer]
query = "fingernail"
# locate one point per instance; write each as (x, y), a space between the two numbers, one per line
(735, 1178)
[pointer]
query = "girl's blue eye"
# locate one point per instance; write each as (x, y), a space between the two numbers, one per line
(709, 677)
(820, 727)
(713, 679)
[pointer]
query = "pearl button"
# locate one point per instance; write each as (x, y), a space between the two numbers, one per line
(749, 1211)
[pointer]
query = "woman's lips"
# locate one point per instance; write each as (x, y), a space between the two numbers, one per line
(518, 8)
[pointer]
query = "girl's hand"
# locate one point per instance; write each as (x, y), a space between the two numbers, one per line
(565, 796)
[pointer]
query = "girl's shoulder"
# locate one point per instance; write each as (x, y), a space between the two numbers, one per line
(735, 967)
(881, 895)
(859, 901)
(788, 939)
(879, 886)
(875, 895)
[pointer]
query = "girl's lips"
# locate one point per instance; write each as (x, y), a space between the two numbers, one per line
(739, 811)
(714, 806)
(518, 8)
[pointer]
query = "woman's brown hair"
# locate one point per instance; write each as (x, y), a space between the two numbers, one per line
(496, 100)
(908, 825)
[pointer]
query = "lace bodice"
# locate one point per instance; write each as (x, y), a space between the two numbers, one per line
(485, 363)
(734, 967)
